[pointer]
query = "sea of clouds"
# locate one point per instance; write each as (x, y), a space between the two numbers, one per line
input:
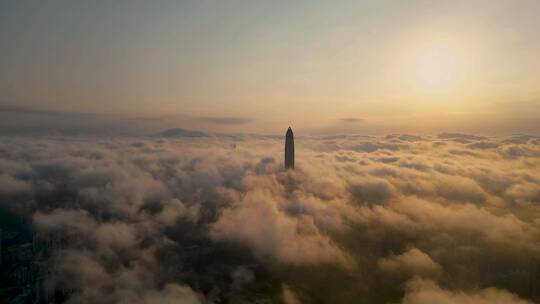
(405, 219)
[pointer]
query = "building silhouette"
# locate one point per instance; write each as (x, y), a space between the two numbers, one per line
(289, 149)
(23, 268)
(534, 280)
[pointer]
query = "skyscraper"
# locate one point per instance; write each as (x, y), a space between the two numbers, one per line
(289, 149)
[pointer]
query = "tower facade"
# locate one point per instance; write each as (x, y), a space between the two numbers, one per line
(289, 149)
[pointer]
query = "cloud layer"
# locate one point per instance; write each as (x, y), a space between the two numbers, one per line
(445, 219)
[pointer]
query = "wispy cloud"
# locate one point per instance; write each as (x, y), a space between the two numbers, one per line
(352, 120)
(226, 120)
(9, 108)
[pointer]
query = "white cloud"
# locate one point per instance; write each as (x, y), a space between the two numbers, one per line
(427, 292)
(359, 209)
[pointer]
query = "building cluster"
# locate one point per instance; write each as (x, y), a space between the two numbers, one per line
(24, 267)
(534, 280)
(21, 268)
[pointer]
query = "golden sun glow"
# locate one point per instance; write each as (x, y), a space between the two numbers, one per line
(436, 67)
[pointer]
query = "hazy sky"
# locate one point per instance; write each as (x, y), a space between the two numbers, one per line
(258, 66)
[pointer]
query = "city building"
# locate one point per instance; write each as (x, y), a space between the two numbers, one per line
(289, 149)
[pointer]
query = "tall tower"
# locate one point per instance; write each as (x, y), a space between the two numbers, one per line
(289, 149)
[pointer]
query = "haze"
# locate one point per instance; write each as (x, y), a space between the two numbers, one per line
(253, 66)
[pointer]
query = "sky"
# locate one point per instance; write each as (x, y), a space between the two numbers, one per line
(258, 66)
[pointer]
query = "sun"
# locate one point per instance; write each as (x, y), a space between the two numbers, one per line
(436, 66)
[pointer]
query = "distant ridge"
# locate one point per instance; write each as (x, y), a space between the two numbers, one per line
(179, 132)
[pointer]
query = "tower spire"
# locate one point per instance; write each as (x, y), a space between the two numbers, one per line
(289, 149)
